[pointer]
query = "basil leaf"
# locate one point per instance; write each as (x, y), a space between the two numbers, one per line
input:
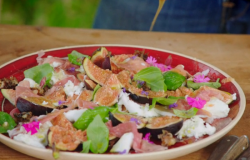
(173, 80)
(194, 85)
(38, 72)
(186, 113)
(88, 116)
(6, 122)
(153, 78)
(98, 134)
(86, 146)
(76, 57)
(164, 101)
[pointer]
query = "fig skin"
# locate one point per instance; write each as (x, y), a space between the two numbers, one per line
(157, 124)
(24, 105)
(90, 85)
(117, 118)
(139, 99)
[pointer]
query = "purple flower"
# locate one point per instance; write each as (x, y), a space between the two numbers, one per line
(133, 57)
(124, 90)
(91, 107)
(144, 92)
(61, 102)
(123, 152)
(131, 77)
(139, 83)
(71, 69)
(135, 120)
(172, 105)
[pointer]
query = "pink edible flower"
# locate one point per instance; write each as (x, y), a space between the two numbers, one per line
(147, 138)
(196, 102)
(151, 60)
(200, 78)
(32, 126)
(162, 67)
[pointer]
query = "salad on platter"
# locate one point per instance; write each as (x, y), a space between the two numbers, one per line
(113, 104)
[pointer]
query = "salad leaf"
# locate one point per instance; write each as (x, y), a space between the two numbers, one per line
(88, 116)
(38, 72)
(76, 57)
(194, 85)
(186, 113)
(86, 146)
(153, 78)
(6, 122)
(98, 134)
(173, 80)
(164, 101)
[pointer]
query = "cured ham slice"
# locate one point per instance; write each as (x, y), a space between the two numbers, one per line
(24, 92)
(221, 123)
(73, 79)
(126, 127)
(150, 147)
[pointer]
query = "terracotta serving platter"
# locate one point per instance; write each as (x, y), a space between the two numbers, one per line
(17, 66)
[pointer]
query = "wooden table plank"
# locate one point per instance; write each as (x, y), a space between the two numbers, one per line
(230, 53)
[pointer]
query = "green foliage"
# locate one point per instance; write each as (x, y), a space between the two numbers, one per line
(64, 13)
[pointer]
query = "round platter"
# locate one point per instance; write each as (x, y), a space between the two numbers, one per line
(17, 66)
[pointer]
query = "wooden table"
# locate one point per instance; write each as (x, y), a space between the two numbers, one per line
(230, 53)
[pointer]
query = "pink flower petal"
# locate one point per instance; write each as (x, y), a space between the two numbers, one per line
(196, 102)
(32, 126)
(147, 138)
(200, 78)
(151, 60)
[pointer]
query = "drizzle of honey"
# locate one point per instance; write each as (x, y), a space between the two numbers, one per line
(161, 3)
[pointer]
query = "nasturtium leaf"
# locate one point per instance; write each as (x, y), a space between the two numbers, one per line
(194, 85)
(153, 78)
(76, 57)
(6, 122)
(164, 101)
(88, 116)
(37, 73)
(86, 146)
(98, 134)
(173, 80)
(186, 113)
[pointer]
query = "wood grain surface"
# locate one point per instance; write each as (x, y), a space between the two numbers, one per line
(230, 53)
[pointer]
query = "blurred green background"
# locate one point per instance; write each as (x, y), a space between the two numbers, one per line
(56, 13)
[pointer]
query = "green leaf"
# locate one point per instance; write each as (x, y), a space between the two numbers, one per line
(86, 146)
(153, 78)
(6, 122)
(95, 90)
(164, 101)
(98, 134)
(76, 57)
(88, 116)
(194, 85)
(38, 72)
(173, 80)
(186, 113)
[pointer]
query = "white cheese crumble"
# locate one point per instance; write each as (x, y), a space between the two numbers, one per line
(136, 108)
(57, 76)
(55, 64)
(73, 115)
(38, 139)
(124, 144)
(195, 127)
(217, 108)
(44, 103)
(81, 69)
(70, 89)
(234, 96)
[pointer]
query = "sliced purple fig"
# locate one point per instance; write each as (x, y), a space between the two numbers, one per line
(106, 63)
(80, 76)
(139, 99)
(157, 124)
(117, 118)
(98, 57)
(36, 105)
(90, 85)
